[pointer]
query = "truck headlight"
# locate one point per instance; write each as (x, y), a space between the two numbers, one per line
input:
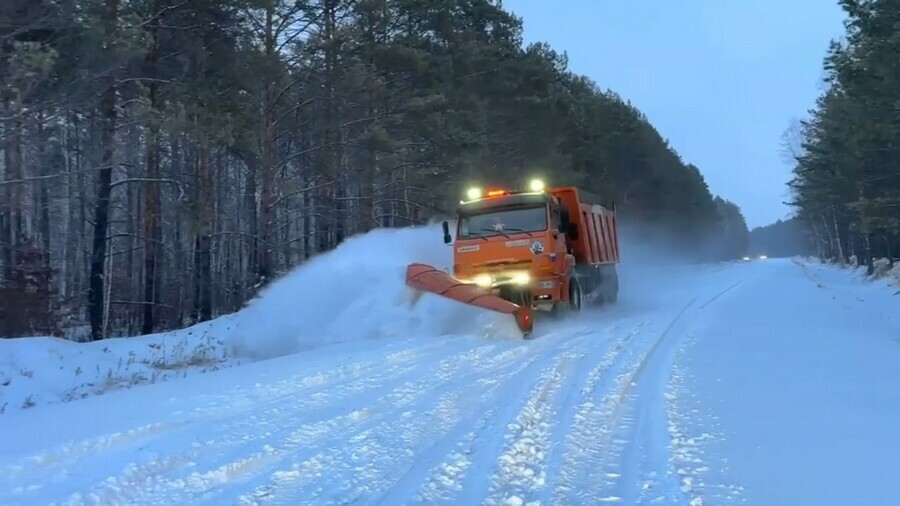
(484, 280)
(522, 278)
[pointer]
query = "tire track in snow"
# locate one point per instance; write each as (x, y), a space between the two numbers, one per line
(395, 455)
(601, 419)
(226, 435)
(128, 441)
(689, 444)
(634, 414)
(435, 475)
(320, 380)
(575, 431)
(118, 456)
(723, 292)
(245, 457)
(648, 456)
(460, 478)
(641, 435)
(521, 472)
(563, 411)
(475, 456)
(515, 462)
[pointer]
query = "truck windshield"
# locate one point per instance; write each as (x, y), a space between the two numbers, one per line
(507, 221)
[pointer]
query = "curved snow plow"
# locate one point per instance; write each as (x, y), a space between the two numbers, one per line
(428, 279)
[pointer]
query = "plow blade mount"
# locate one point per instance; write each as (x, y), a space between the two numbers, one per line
(428, 279)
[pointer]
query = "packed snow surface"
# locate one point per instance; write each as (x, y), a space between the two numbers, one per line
(769, 382)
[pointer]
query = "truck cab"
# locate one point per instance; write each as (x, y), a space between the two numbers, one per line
(525, 246)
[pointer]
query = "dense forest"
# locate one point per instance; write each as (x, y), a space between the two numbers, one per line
(784, 238)
(164, 159)
(847, 174)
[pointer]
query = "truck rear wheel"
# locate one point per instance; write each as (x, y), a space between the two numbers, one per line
(608, 286)
(611, 291)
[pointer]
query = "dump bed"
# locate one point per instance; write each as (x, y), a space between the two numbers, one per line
(597, 241)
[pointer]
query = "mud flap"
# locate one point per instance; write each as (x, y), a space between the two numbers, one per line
(428, 279)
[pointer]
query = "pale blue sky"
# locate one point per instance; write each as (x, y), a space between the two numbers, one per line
(721, 79)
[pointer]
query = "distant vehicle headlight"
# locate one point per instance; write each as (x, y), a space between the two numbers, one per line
(746, 259)
(763, 257)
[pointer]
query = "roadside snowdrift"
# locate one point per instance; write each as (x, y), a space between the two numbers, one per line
(883, 270)
(355, 292)
(40, 370)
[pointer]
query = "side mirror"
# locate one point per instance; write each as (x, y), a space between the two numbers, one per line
(447, 238)
(572, 231)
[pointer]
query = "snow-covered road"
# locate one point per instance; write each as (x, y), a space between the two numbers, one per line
(762, 383)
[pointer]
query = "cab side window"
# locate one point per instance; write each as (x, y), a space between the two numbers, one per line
(554, 216)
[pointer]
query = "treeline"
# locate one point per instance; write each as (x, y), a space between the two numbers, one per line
(784, 238)
(847, 175)
(163, 159)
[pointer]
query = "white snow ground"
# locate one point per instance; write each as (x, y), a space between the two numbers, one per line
(762, 383)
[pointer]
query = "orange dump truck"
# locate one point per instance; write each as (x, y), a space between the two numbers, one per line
(519, 251)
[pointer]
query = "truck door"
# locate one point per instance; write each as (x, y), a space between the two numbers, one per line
(560, 244)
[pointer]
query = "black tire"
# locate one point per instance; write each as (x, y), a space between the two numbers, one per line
(612, 291)
(554, 311)
(608, 291)
(576, 296)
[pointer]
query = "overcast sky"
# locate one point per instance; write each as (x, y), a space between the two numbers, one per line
(721, 79)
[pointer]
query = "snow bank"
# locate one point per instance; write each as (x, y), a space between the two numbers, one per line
(358, 291)
(883, 270)
(40, 370)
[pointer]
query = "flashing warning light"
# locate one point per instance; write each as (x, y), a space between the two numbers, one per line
(496, 193)
(537, 185)
(474, 193)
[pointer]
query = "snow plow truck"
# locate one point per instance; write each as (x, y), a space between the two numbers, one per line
(516, 252)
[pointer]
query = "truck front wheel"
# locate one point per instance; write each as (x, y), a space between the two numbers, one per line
(575, 295)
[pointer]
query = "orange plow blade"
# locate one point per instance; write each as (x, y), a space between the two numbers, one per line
(426, 278)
